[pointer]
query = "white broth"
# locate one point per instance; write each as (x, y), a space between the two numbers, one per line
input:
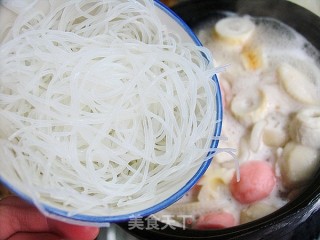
(271, 97)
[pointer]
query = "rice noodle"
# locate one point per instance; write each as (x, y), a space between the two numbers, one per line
(102, 107)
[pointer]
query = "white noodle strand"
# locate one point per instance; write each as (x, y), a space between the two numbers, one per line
(104, 111)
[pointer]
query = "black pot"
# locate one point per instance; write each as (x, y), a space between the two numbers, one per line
(300, 218)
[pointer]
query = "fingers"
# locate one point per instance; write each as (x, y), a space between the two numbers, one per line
(19, 216)
(72, 232)
(14, 201)
(34, 236)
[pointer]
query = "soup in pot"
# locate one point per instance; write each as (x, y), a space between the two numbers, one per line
(271, 98)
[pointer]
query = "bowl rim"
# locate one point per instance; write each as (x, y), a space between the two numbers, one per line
(84, 219)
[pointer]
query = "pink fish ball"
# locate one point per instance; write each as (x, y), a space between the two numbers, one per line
(215, 220)
(257, 180)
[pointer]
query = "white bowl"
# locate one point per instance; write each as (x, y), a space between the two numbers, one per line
(173, 22)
